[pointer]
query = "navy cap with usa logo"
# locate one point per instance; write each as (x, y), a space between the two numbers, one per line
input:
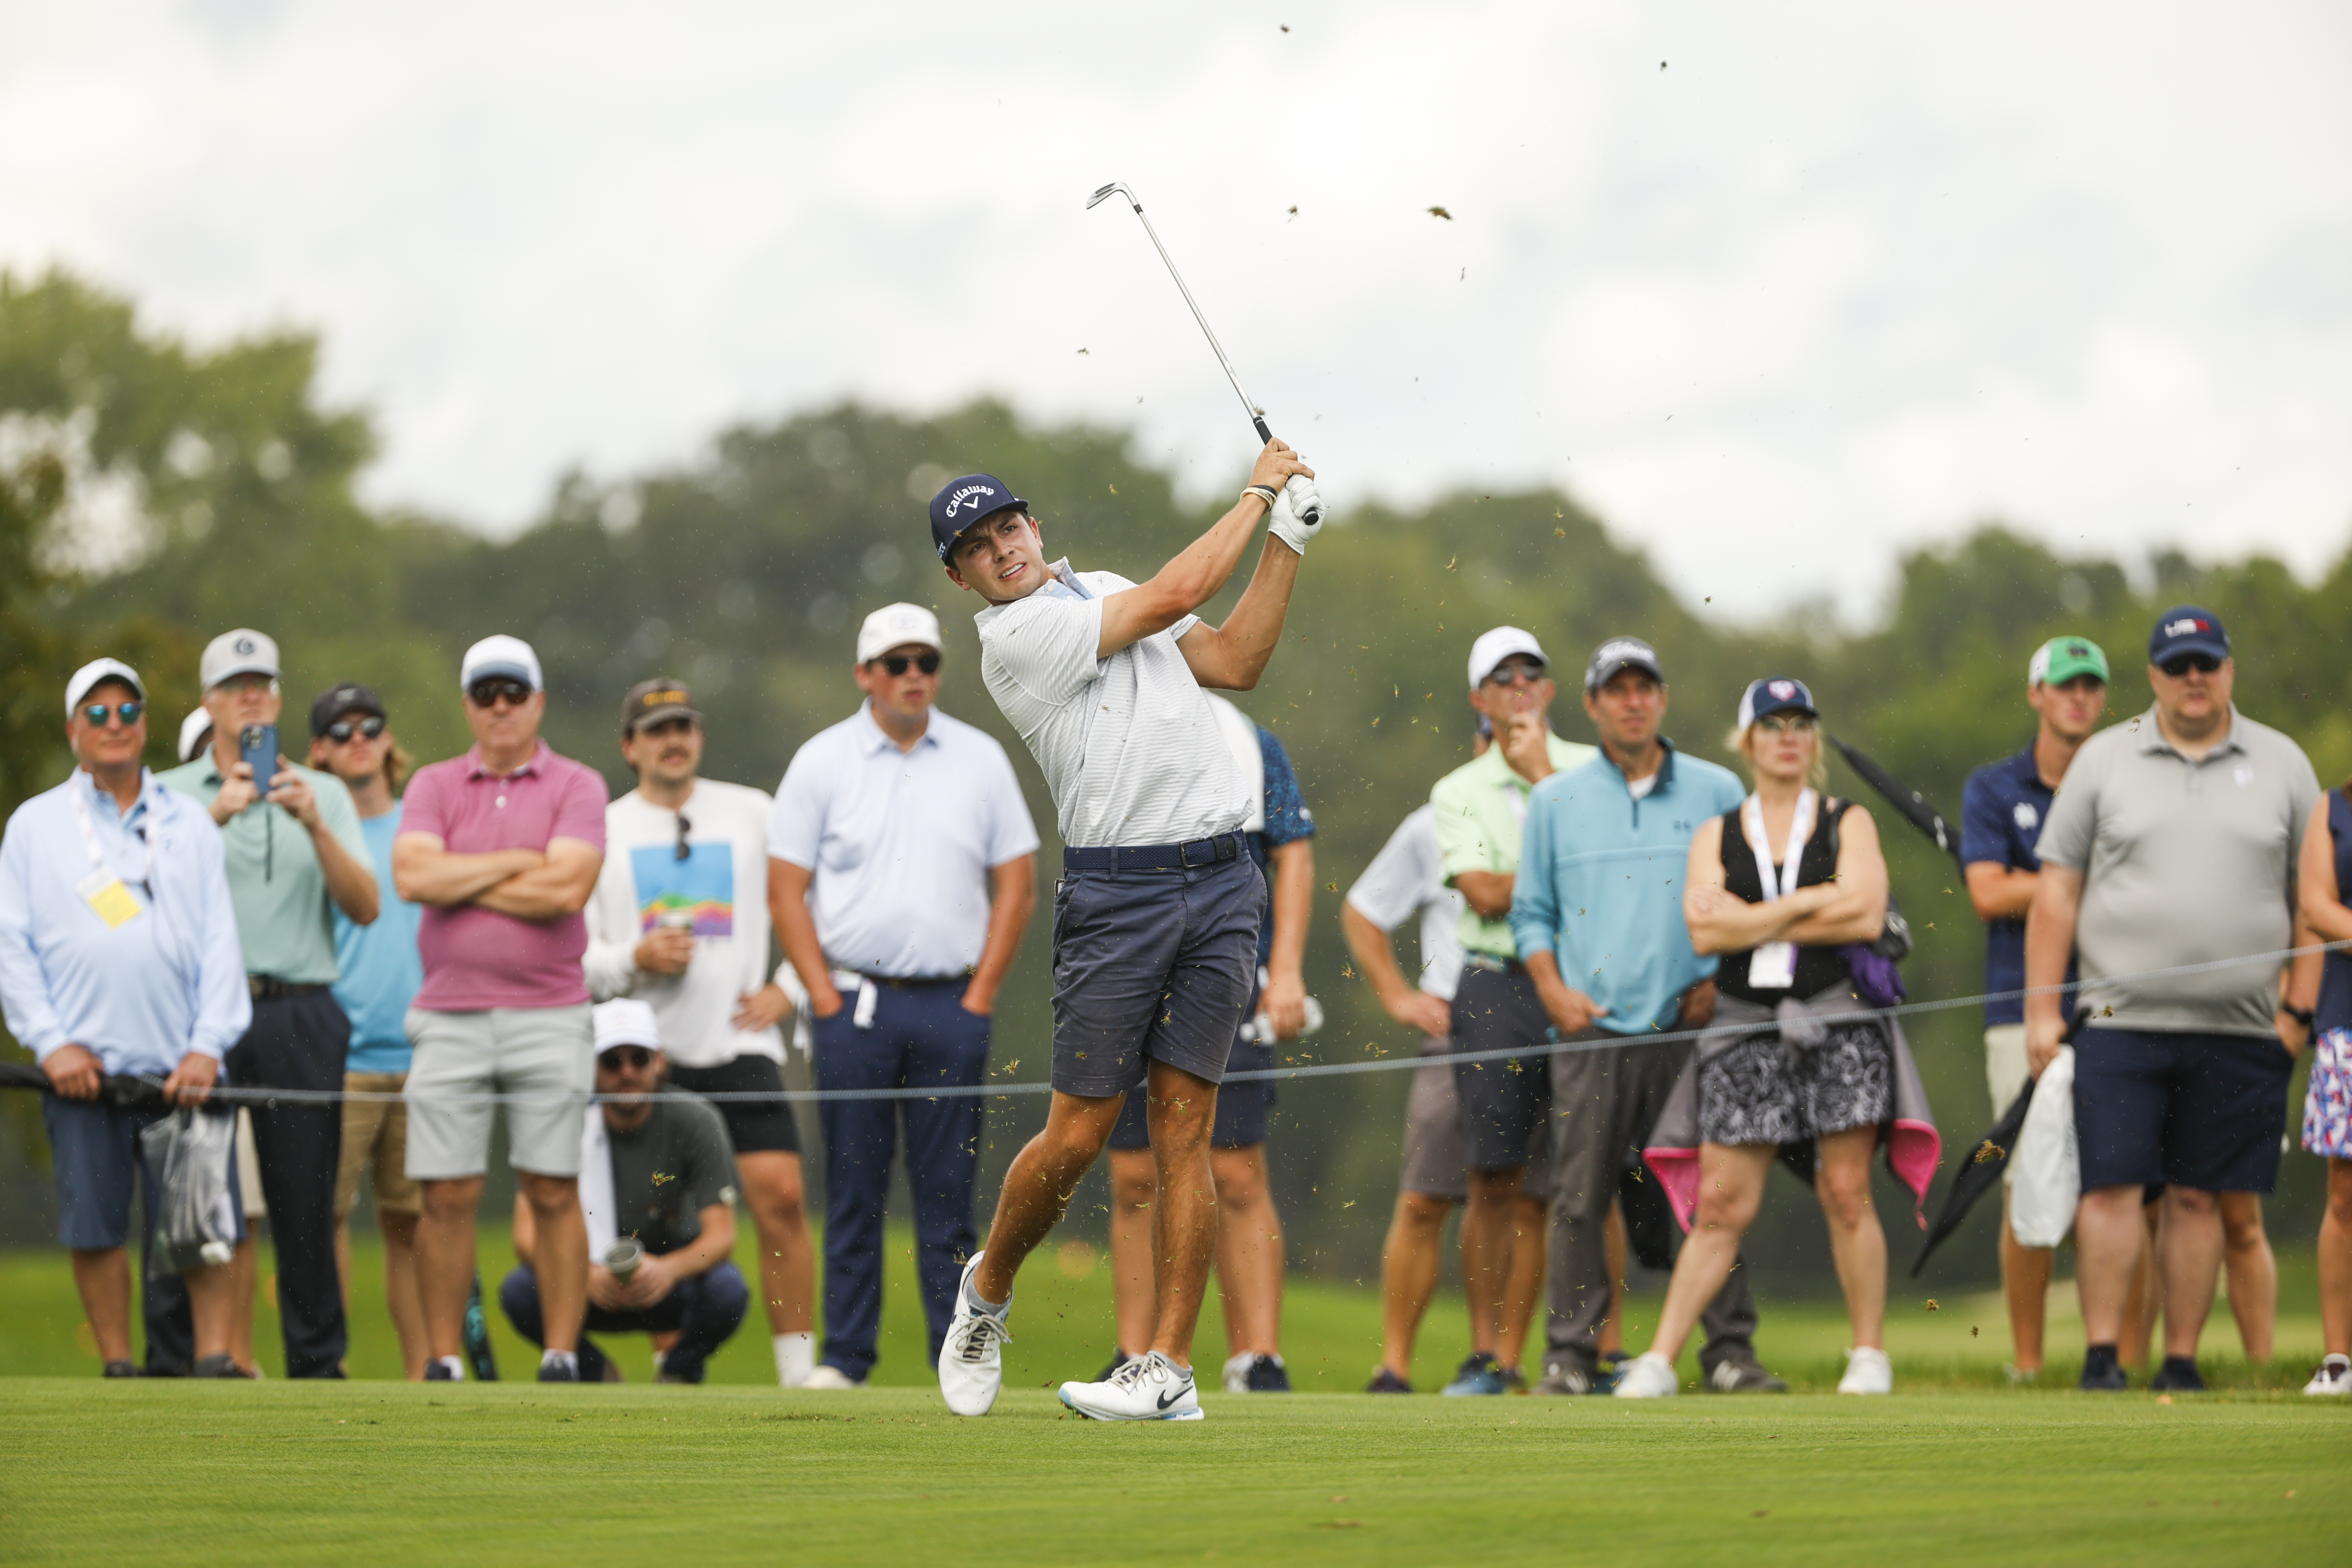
(2187, 629)
(964, 502)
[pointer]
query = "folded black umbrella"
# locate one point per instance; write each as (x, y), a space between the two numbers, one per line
(1985, 1162)
(1913, 806)
(120, 1089)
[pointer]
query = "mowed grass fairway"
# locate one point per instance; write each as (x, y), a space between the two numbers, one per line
(1955, 1466)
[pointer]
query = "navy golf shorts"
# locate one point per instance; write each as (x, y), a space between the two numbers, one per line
(2187, 1110)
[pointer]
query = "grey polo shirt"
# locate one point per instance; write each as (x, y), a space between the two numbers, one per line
(2183, 862)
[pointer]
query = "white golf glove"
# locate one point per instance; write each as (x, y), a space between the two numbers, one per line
(1286, 519)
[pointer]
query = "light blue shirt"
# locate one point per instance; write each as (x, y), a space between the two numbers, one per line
(902, 843)
(1600, 883)
(380, 971)
(168, 981)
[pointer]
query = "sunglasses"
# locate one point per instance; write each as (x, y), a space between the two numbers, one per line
(2204, 664)
(897, 663)
(626, 1059)
(343, 730)
(487, 693)
(1513, 674)
(95, 715)
(684, 827)
(1786, 725)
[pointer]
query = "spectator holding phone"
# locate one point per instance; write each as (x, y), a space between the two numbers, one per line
(296, 858)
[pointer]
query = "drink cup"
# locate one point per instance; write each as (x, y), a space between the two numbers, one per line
(621, 1259)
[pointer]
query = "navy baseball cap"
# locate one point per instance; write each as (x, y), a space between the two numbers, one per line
(1775, 694)
(2186, 629)
(964, 502)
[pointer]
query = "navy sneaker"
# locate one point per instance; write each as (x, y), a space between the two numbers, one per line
(2178, 1374)
(120, 1369)
(1118, 1358)
(1479, 1375)
(1742, 1377)
(438, 1371)
(1266, 1375)
(554, 1370)
(2102, 1374)
(1386, 1381)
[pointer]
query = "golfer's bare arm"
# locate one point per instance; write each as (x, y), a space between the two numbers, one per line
(2000, 892)
(2319, 899)
(560, 887)
(1202, 569)
(426, 870)
(2049, 944)
(1486, 892)
(1720, 922)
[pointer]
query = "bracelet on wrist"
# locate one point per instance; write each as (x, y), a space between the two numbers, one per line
(1265, 493)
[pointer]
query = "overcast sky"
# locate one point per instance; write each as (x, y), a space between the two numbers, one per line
(1779, 289)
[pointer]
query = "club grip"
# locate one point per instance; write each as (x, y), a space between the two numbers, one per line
(1263, 433)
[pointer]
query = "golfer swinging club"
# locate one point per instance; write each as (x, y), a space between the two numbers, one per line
(1155, 918)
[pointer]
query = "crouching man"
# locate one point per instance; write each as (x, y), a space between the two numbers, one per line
(656, 1171)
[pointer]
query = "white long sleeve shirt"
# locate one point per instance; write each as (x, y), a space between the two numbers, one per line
(722, 882)
(143, 990)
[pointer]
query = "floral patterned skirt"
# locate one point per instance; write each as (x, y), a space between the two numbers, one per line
(1761, 1091)
(2328, 1104)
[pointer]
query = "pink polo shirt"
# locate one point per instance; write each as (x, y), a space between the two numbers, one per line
(476, 958)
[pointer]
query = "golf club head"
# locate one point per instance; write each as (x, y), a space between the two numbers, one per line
(1119, 187)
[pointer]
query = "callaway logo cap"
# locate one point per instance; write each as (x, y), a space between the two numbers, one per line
(347, 697)
(651, 701)
(1775, 694)
(240, 652)
(500, 655)
(1492, 647)
(80, 683)
(1621, 653)
(896, 625)
(2186, 629)
(964, 502)
(2060, 659)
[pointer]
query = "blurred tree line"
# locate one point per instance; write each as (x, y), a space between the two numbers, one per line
(156, 494)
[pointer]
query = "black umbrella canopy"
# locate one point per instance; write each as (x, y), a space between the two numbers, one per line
(1913, 806)
(1978, 1177)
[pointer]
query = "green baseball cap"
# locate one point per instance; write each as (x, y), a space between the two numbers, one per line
(2060, 659)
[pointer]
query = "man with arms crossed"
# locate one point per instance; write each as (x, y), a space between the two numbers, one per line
(902, 868)
(680, 922)
(502, 846)
(1596, 912)
(119, 954)
(1477, 809)
(1155, 919)
(2173, 842)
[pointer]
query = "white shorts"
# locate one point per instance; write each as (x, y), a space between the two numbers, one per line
(2005, 1071)
(545, 1054)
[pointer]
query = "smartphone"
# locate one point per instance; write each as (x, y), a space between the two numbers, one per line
(258, 745)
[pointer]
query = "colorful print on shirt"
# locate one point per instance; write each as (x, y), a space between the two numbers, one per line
(703, 884)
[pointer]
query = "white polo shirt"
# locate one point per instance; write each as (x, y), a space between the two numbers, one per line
(902, 843)
(1408, 877)
(1129, 744)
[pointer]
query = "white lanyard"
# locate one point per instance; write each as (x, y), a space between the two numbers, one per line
(1773, 964)
(97, 856)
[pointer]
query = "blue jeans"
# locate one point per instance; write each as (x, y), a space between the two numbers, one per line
(920, 1034)
(705, 1309)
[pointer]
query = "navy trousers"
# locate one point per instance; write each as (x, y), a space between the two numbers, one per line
(705, 1309)
(920, 1034)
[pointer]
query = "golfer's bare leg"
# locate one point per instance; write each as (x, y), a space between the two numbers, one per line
(2107, 1243)
(243, 1268)
(1614, 1246)
(1730, 1190)
(559, 1260)
(2025, 1281)
(774, 1190)
(212, 1300)
(1842, 1180)
(2145, 1304)
(102, 1275)
(1249, 1251)
(1487, 1222)
(1409, 1264)
(1038, 1188)
(2253, 1272)
(1134, 1194)
(445, 1260)
(2336, 1261)
(1185, 1228)
(400, 1298)
(2192, 1261)
(1523, 1279)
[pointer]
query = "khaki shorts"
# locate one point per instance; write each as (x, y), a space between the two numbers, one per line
(248, 1168)
(545, 1056)
(375, 1140)
(2005, 1073)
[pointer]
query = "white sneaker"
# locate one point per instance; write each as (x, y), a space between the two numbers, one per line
(2334, 1376)
(1867, 1372)
(1152, 1389)
(827, 1378)
(1648, 1377)
(971, 1362)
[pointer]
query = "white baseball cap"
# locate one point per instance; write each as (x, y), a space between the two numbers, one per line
(192, 731)
(1492, 647)
(241, 652)
(501, 655)
(80, 684)
(895, 625)
(626, 1022)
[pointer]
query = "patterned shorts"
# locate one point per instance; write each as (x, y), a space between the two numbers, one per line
(1756, 1092)
(2327, 1105)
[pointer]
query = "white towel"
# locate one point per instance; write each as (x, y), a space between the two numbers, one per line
(596, 1202)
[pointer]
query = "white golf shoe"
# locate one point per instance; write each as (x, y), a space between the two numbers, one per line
(972, 1360)
(2334, 1376)
(1647, 1376)
(827, 1378)
(1867, 1372)
(1151, 1389)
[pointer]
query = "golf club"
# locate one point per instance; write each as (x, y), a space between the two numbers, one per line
(1314, 513)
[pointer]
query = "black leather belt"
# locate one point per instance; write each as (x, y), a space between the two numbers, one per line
(913, 981)
(266, 989)
(1199, 852)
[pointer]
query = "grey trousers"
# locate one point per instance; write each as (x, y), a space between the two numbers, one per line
(1603, 1104)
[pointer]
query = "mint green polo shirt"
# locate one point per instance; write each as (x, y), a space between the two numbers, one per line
(285, 922)
(1478, 809)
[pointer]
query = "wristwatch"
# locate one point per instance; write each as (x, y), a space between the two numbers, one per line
(2300, 1015)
